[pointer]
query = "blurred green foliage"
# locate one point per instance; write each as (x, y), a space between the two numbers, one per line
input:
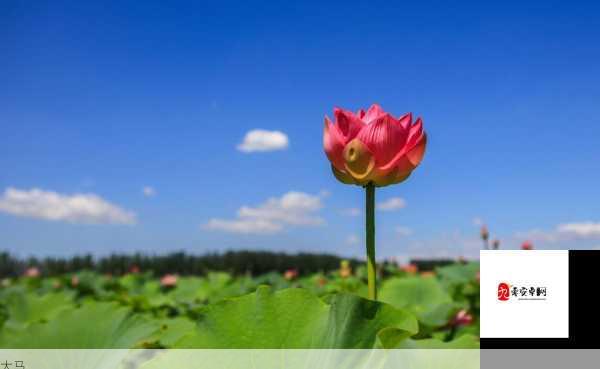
(218, 309)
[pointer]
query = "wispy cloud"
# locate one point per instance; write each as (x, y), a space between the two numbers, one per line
(583, 229)
(564, 232)
(148, 191)
(77, 208)
(391, 204)
(247, 226)
(292, 209)
(259, 140)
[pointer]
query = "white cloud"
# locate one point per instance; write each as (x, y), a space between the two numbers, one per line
(293, 208)
(583, 229)
(262, 140)
(391, 204)
(296, 208)
(77, 208)
(403, 231)
(246, 226)
(148, 191)
(538, 234)
(563, 232)
(351, 212)
(352, 239)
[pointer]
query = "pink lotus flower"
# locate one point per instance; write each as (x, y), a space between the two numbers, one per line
(409, 268)
(74, 281)
(290, 274)
(373, 146)
(32, 272)
(527, 245)
(462, 318)
(134, 269)
(168, 280)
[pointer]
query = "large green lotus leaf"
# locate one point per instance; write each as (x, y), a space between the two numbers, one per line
(424, 297)
(295, 318)
(171, 331)
(94, 325)
(28, 307)
(459, 273)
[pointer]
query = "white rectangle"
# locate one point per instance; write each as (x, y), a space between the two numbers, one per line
(532, 315)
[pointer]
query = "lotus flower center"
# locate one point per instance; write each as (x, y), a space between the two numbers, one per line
(351, 154)
(359, 160)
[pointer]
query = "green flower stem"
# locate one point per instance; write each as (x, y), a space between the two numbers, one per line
(370, 224)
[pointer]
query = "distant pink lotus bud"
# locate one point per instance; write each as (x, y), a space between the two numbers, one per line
(74, 281)
(409, 268)
(527, 245)
(485, 234)
(134, 269)
(462, 318)
(32, 272)
(373, 146)
(290, 274)
(168, 280)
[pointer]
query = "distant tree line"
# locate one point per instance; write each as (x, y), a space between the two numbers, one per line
(431, 264)
(236, 262)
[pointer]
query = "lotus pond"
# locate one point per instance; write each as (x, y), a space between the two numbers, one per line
(437, 309)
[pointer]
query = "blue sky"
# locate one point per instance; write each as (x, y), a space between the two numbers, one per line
(104, 100)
